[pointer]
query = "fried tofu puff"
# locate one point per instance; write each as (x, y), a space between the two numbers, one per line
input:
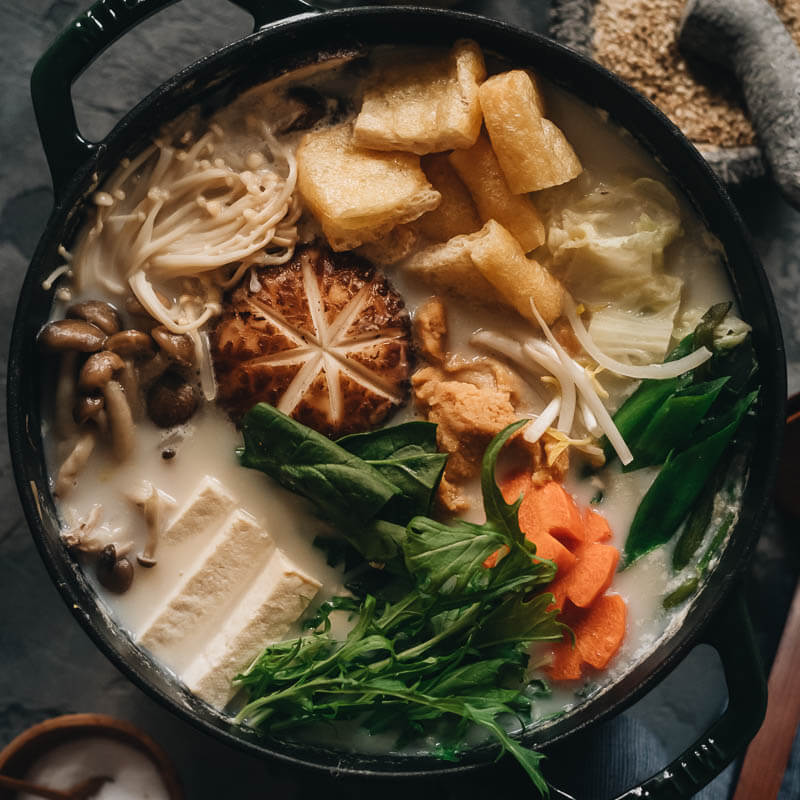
(532, 151)
(359, 195)
(480, 170)
(490, 267)
(424, 105)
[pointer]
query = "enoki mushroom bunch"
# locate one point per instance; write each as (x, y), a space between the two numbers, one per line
(185, 222)
(177, 225)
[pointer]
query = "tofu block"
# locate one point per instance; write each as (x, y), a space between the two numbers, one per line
(225, 566)
(456, 214)
(532, 151)
(208, 505)
(424, 106)
(359, 195)
(502, 261)
(449, 268)
(479, 169)
(277, 598)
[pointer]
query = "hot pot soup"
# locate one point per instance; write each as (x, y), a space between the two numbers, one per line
(398, 391)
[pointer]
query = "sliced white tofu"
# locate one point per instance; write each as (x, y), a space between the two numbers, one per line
(220, 574)
(278, 597)
(208, 505)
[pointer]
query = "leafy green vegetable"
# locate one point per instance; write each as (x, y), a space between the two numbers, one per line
(634, 414)
(679, 483)
(406, 456)
(452, 644)
(364, 484)
(344, 487)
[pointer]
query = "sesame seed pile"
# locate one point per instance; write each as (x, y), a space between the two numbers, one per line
(637, 40)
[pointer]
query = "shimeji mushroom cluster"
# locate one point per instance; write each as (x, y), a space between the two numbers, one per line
(109, 377)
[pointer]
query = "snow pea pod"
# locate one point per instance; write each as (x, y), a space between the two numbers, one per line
(673, 423)
(678, 485)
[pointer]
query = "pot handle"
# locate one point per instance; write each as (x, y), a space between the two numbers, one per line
(730, 633)
(76, 48)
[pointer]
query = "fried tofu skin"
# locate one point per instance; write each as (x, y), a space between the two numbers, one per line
(491, 268)
(424, 106)
(359, 195)
(533, 152)
(391, 248)
(430, 330)
(480, 170)
(501, 260)
(449, 269)
(456, 213)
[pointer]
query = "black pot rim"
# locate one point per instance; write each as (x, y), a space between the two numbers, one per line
(652, 129)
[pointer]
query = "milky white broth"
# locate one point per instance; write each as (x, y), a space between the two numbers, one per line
(211, 439)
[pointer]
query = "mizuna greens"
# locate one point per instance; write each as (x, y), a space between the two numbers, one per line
(445, 638)
(686, 424)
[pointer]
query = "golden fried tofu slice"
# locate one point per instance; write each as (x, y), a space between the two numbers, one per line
(424, 106)
(392, 247)
(533, 152)
(456, 213)
(359, 195)
(448, 268)
(480, 170)
(499, 257)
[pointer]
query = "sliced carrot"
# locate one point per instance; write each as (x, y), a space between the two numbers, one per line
(514, 484)
(558, 588)
(551, 509)
(592, 573)
(600, 633)
(566, 663)
(595, 526)
(549, 547)
(491, 561)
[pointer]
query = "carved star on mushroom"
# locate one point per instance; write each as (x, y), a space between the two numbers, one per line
(324, 339)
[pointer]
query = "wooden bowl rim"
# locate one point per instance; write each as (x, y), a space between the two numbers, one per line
(86, 725)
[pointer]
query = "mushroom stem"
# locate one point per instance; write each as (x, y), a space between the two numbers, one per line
(79, 536)
(65, 394)
(120, 420)
(149, 500)
(74, 463)
(130, 385)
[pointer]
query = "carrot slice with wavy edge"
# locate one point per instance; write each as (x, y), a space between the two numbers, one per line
(595, 526)
(592, 574)
(567, 661)
(551, 509)
(600, 633)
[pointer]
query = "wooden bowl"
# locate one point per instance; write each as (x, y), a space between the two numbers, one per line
(19, 756)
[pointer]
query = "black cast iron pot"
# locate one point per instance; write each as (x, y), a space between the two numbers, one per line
(717, 614)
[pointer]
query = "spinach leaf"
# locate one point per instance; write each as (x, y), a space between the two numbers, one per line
(678, 485)
(365, 484)
(405, 455)
(345, 489)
